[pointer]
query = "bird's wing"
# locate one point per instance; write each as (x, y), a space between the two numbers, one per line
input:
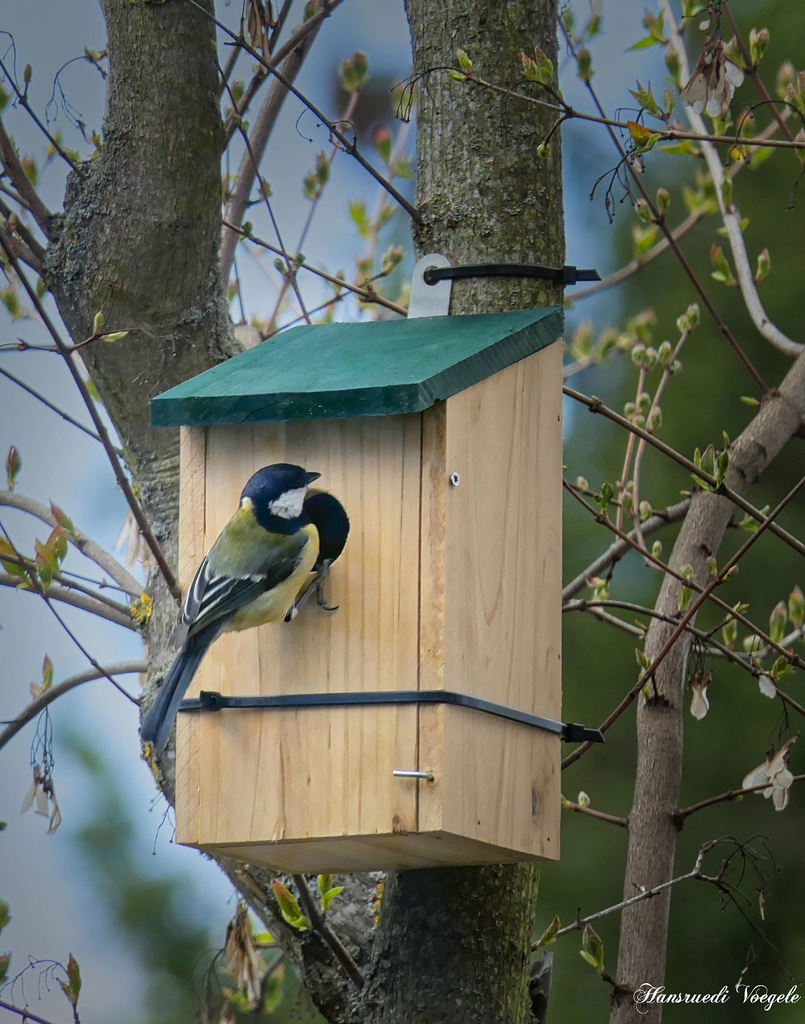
(216, 593)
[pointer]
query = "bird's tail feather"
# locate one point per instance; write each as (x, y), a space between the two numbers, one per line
(158, 720)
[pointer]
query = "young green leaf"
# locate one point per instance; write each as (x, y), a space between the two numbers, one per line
(13, 466)
(549, 935)
(72, 987)
(289, 908)
(592, 948)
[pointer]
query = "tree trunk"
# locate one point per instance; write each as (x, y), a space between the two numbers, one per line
(454, 944)
(652, 826)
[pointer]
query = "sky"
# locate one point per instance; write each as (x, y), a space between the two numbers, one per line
(53, 903)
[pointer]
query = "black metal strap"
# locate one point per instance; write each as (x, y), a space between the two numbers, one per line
(572, 732)
(565, 275)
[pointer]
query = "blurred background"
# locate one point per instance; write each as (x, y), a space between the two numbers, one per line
(144, 917)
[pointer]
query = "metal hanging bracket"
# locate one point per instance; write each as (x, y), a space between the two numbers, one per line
(429, 299)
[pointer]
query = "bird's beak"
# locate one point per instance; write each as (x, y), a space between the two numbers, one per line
(310, 477)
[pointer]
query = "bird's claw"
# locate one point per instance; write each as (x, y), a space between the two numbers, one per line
(321, 599)
(316, 583)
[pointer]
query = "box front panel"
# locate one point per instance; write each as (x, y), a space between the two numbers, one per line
(254, 776)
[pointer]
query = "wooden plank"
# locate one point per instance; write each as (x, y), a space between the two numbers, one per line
(341, 370)
(502, 609)
(192, 522)
(390, 852)
(192, 499)
(266, 776)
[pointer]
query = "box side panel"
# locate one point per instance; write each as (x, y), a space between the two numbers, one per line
(192, 518)
(269, 775)
(501, 608)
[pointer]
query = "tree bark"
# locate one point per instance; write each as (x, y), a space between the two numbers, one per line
(454, 944)
(652, 823)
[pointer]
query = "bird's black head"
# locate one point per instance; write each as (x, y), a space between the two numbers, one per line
(277, 494)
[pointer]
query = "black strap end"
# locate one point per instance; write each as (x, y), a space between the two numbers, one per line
(574, 732)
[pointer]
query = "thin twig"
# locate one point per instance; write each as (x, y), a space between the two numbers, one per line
(314, 204)
(667, 372)
(613, 819)
(54, 408)
(23, 251)
(77, 600)
(23, 1012)
(365, 294)
(730, 794)
(265, 192)
(666, 134)
(595, 405)
(659, 219)
(686, 618)
(86, 545)
(730, 612)
(714, 647)
(729, 215)
(277, 57)
(9, 158)
(238, 201)
(753, 74)
(319, 924)
(695, 873)
(29, 565)
(350, 146)
(616, 550)
(22, 100)
(47, 697)
(111, 452)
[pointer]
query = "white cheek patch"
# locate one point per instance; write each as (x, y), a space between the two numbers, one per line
(289, 504)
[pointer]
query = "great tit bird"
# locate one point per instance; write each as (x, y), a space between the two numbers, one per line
(251, 575)
(329, 517)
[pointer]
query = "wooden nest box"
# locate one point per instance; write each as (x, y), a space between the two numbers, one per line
(442, 436)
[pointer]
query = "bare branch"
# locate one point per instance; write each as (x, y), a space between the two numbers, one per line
(613, 819)
(696, 873)
(731, 794)
(9, 158)
(88, 547)
(319, 923)
(664, 567)
(659, 220)
(238, 201)
(47, 697)
(679, 628)
(595, 405)
(76, 596)
(25, 1013)
(714, 647)
(23, 251)
(111, 452)
(54, 408)
(365, 294)
(298, 36)
(350, 145)
(729, 214)
(22, 100)
(619, 548)
(637, 264)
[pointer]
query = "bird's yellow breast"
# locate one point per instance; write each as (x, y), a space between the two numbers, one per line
(273, 605)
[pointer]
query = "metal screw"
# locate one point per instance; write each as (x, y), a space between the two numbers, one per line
(401, 774)
(455, 479)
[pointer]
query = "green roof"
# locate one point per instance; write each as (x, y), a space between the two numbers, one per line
(375, 368)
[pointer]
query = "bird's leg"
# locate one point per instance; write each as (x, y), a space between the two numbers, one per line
(316, 583)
